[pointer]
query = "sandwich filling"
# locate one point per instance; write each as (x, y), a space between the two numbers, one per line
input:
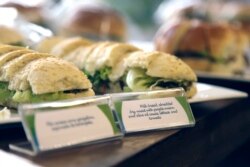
(5, 94)
(31, 77)
(100, 79)
(205, 56)
(28, 97)
(102, 83)
(138, 80)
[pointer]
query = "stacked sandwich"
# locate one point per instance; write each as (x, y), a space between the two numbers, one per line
(27, 76)
(116, 67)
(213, 47)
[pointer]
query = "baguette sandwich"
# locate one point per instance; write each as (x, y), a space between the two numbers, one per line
(64, 47)
(157, 70)
(30, 77)
(212, 47)
(105, 66)
(103, 62)
(116, 67)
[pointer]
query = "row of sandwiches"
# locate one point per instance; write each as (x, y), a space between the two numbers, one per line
(212, 47)
(27, 76)
(118, 67)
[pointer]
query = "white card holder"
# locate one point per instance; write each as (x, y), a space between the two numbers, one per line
(59, 125)
(152, 110)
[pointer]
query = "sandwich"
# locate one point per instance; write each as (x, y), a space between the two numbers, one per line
(30, 77)
(204, 46)
(46, 44)
(105, 66)
(64, 47)
(95, 22)
(8, 53)
(158, 70)
(117, 67)
(179, 38)
(81, 54)
(102, 62)
(49, 79)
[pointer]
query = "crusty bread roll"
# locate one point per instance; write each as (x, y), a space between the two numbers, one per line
(114, 56)
(109, 54)
(194, 39)
(10, 68)
(164, 67)
(27, 76)
(161, 65)
(5, 58)
(9, 35)
(8, 48)
(94, 55)
(46, 44)
(66, 46)
(80, 55)
(221, 40)
(205, 46)
(109, 63)
(93, 22)
(168, 36)
(52, 75)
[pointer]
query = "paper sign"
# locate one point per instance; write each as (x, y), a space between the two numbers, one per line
(70, 126)
(158, 113)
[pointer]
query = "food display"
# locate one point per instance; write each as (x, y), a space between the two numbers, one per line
(157, 70)
(28, 76)
(212, 47)
(78, 78)
(116, 67)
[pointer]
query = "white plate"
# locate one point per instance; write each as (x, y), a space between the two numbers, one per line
(205, 93)
(245, 77)
(208, 92)
(13, 119)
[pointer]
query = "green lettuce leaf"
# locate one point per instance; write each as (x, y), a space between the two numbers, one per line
(138, 80)
(28, 97)
(100, 80)
(5, 93)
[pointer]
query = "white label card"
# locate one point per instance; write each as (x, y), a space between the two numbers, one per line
(64, 127)
(139, 115)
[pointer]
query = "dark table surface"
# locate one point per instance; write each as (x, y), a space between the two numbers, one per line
(221, 127)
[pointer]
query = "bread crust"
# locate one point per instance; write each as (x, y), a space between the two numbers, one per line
(159, 64)
(12, 67)
(9, 35)
(220, 44)
(46, 45)
(66, 46)
(8, 48)
(94, 21)
(50, 75)
(168, 37)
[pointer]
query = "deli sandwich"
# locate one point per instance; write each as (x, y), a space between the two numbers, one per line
(29, 77)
